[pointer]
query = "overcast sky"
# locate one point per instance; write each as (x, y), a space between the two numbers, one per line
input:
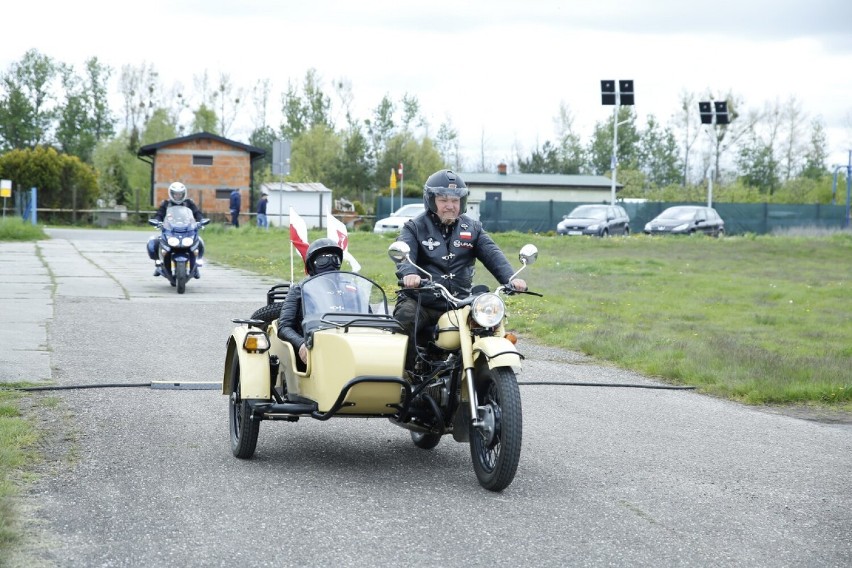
(497, 69)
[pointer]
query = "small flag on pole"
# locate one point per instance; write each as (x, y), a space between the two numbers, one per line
(338, 233)
(299, 234)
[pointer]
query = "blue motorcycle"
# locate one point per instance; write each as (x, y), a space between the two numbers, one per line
(179, 248)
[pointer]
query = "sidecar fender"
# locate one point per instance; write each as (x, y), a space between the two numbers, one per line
(255, 380)
(498, 352)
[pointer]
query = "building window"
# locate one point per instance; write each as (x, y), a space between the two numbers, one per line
(223, 193)
(202, 160)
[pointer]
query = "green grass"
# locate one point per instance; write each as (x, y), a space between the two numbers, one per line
(13, 228)
(18, 453)
(757, 319)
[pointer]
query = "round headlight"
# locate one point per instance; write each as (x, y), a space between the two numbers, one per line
(186, 241)
(488, 310)
(173, 241)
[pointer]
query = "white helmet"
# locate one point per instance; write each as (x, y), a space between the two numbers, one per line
(177, 192)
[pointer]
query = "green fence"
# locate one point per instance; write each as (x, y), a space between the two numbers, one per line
(542, 216)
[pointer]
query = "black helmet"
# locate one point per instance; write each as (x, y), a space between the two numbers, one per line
(323, 255)
(447, 183)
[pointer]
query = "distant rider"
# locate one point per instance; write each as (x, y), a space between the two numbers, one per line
(177, 196)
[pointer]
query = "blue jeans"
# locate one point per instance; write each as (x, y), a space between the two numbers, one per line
(262, 221)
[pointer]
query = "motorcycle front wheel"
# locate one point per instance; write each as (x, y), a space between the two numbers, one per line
(243, 429)
(181, 277)
(496, 449)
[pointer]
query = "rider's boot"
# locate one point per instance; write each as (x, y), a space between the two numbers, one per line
(198, 264)
(158, 266)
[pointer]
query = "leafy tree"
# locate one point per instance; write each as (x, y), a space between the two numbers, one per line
(758, 167)
(600, 149)
(27, 111)
(159, 127)
(447, 142)
(303, 112)
(139, 87)
(63, 181)
(313, 154)
(353, 171)
(658, 154)
(816, 154)
(205, 120)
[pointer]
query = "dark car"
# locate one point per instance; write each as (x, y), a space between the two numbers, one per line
(687, 220)
(596, 220)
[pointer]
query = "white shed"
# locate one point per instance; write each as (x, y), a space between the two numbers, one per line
(312, 202)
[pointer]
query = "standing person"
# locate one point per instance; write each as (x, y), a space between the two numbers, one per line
(177, 196)
(324, 255)
(262, 221)
(446, 244)
(236, 201)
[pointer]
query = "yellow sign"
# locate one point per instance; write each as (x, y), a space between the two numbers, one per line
(5, 188)
(393, 179)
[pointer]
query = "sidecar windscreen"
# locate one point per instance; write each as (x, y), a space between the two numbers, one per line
(341, 292)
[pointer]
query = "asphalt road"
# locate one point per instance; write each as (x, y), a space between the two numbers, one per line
(608, 476)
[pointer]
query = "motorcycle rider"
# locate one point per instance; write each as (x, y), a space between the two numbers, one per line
(324, 255)
(446, 243)
(177, 196)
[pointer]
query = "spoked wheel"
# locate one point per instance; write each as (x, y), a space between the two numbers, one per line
(181, 277)
(244, 430)
(496, 448)
(425, 440)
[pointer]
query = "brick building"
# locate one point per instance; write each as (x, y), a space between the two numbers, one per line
(210, 167)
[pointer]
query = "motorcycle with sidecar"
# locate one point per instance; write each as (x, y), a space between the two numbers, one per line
(464, 383)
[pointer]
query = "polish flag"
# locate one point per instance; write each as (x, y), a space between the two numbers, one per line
(338, 233)
(298, 234)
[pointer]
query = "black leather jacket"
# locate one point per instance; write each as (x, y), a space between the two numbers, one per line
(449, 253)
(290, 318)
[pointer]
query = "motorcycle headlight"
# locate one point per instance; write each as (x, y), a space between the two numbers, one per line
(488, 310)
(186, 242)
(256, 342)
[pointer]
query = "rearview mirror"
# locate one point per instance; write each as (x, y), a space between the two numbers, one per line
(398, 251)
(528, 254)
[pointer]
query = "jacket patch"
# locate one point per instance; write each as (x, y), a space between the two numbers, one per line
(431, 244)
(465, 235)
(462, 244)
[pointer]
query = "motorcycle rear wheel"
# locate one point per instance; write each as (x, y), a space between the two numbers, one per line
(181, 277)
(243, 429)
(495, 457)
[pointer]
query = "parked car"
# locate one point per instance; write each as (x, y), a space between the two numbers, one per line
(597, 220)
(687, 220)
(398, 218)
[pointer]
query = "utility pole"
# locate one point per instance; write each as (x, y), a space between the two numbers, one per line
(617, 94)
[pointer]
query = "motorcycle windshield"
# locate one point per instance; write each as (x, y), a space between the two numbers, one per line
(178, 218)
(342, 292)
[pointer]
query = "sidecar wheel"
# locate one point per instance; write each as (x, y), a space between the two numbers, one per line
(181, 277)
(425, 440)
(496, 453)
(243, 429)
(268, 313)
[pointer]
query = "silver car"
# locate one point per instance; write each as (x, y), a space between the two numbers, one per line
(395, 222)
(595, 220)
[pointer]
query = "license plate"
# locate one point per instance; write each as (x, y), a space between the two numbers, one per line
(575, 232)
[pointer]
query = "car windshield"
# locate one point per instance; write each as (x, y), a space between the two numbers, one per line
(178, 217)
(342, 292)
(412, 210)
(678, 214)
(588, 212)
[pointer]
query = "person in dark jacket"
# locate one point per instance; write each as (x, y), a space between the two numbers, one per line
(235, 204)
(324, 255)
(177, 196)
(446, 244)
(262, 220)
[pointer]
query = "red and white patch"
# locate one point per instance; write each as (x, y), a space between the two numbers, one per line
(465, 235)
